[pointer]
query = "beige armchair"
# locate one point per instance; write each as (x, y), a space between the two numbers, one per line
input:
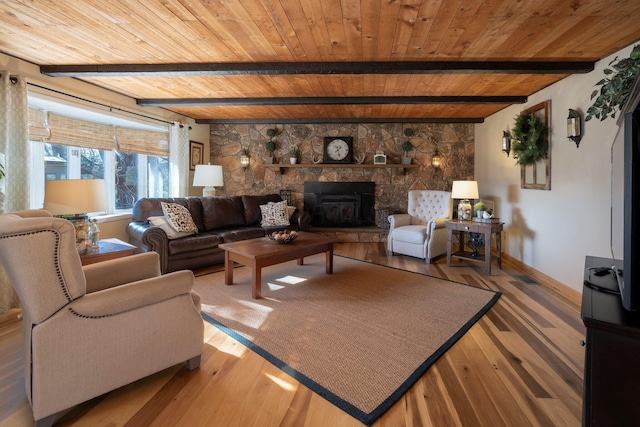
(91, 330)
(421, 232)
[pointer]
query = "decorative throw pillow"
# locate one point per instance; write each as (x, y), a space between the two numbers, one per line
(179, 217)
(160, 221)
(274, 214)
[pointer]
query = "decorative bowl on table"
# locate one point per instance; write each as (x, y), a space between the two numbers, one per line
(286, 236)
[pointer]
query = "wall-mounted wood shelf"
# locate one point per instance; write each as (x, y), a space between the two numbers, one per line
(282, 166)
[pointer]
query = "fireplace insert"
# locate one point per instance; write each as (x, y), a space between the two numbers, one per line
(340, 204)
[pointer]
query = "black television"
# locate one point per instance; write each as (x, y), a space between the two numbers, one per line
(629, 278)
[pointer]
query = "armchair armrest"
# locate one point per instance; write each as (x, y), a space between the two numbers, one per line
(130, 296)
(116, 272)
(399, 220)
(440, 222)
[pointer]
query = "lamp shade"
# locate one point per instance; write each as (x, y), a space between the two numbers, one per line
(75, 196)
(464, 190)
(208, 176)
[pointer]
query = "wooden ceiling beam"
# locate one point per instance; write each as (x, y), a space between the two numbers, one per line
(280, 68)
(321, 100)
(316, 120)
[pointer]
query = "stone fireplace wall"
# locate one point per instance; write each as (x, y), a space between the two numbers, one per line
(454, 141)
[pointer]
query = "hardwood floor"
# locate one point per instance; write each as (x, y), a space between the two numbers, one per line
(520, 365)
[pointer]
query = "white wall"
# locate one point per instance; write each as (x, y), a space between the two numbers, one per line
(552, 231)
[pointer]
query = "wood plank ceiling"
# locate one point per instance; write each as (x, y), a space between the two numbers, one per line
(319, 60)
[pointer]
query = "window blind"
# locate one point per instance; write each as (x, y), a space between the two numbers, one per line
(37, 126)
(80, 133)
(143, 142)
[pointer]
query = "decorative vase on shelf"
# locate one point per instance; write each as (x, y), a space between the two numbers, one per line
(406, 160)
(293, 160)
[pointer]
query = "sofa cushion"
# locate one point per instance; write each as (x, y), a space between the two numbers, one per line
(179, 217)
(274, 214)
(199, 242)
(222, 212)
(416, 234)
(172, 233)
(238, 234)
(251, 203)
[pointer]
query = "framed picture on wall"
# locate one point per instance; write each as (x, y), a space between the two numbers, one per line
(196, 154)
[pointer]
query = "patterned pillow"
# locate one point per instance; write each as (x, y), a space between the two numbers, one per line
(179, 217)
(160, 221)
(274, 214)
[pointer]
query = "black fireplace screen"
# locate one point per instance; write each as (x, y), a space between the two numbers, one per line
(340, 204)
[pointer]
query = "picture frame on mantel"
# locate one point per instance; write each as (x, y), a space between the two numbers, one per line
(538, 175)
(196, 154)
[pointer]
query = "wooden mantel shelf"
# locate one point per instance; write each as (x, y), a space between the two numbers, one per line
(282, 166)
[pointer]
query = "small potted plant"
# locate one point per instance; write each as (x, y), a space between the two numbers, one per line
(407, 146)
(480, 207)
(293, 154)
(270, 145)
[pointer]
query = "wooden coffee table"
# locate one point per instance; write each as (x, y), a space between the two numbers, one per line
(263, 252)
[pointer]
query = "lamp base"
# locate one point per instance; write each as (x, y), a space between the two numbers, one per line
(83, 235)
(464, 210)
(209, 192)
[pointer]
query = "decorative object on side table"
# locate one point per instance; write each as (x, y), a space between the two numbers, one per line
(74, 199)
(475, 241)
(480, 208)
(464, 190)
(286, 236)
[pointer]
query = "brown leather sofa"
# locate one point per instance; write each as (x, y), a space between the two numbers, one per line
(219, 220)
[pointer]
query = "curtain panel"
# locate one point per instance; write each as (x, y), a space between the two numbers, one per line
(14, 155)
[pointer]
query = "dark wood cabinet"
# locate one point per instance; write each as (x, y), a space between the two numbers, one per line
(612, 359)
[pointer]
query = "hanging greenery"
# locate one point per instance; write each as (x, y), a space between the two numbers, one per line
(1, 171)
(529, 139)
(615, 86)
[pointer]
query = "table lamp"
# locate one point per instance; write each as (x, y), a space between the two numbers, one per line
(464, 190)
(208, 176)
(73, 199)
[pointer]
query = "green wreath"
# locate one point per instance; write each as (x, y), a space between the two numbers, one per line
(529, 139)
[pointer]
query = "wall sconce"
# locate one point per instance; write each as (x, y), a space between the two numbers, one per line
(574, 127)
(436, 160)
(506, 141)
(244, 159)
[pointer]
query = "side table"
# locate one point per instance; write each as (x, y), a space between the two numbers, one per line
(108, 249)
(487, 230)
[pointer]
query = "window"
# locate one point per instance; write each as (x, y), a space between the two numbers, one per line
(133, 162)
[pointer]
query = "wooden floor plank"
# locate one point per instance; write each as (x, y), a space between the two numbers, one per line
(521, 364)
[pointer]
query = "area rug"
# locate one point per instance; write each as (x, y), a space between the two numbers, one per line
(360, 337)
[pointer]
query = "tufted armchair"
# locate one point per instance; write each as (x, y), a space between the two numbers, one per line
(89, 330)
(421, 232)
